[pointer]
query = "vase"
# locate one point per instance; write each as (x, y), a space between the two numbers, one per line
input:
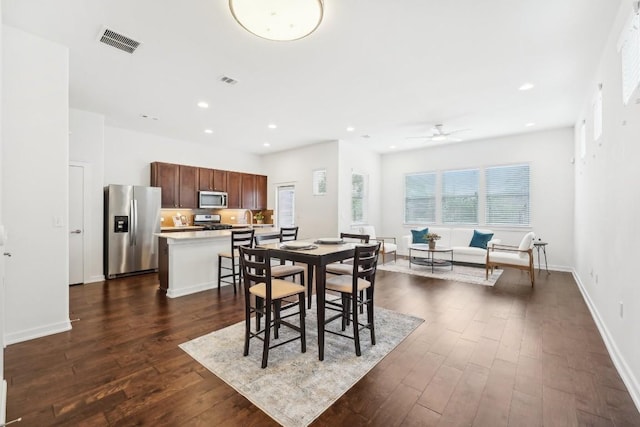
(259, 221)
(432, 244)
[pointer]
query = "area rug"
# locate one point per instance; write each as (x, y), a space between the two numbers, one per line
(296, 387)
(460, 273)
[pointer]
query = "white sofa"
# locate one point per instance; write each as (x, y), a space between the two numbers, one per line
(457, 239)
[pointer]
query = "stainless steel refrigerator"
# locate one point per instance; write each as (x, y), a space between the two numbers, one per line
(132, 216)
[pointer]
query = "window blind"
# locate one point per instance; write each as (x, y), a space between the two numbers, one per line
(460, 196)
(420, 198)
(629, 46)
(358, 196)
(507, 200)
(319, 182)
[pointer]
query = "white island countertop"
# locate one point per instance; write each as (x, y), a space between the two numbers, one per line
(210, 234)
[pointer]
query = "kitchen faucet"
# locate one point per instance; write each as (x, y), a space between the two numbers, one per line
(250, 217)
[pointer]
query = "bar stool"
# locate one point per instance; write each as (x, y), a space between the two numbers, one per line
(238, 238)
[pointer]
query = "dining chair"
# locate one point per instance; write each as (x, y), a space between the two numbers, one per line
(350, 287)
(280, 271)
(238, 238)
(269, 302)
(341, 267)
(288, 233)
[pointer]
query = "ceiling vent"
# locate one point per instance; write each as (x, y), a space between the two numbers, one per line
(228, 80)
(117, 40)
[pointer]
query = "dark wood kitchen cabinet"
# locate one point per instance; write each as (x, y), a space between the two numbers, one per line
(261, 192)
(248, 191)
(234, 188)
(205, 179)
(179, 184)
(220, 179)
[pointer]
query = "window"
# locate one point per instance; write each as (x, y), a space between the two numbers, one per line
(420, 198)
(286, 205)
(507, 195)
(460, 196)
(358, 198)
(597, 115)
(319, 182)
(583, 139)
(629, 47)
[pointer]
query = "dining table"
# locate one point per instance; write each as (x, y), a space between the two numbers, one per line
(316, 255)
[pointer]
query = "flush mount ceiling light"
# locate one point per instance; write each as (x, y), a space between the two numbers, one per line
(280, 20)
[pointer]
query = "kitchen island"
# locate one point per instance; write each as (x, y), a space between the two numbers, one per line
(188, 261)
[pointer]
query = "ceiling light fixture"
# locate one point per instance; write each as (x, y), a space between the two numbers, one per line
(266, 144)
(526, 86)
(208, 131)
(272, 126)
(203, 104)
(279, 20)
(350, 129)
(530, 124)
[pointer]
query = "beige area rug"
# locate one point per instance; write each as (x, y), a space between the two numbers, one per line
(295, 388)
(460, 273)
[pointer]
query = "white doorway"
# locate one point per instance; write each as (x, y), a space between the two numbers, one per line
(286, 205)
(77, 186)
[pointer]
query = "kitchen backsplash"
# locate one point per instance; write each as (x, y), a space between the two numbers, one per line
(227, 216)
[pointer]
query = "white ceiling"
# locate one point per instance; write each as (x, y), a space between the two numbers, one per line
(390, 69)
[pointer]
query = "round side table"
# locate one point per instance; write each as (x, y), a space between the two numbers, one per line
(538, 244)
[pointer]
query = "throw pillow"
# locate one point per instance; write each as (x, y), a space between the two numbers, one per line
(480, 240)
(420, 236)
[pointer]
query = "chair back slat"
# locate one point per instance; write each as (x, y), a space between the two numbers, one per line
(360, 238)
(255, 267)
(288, 234)
(365, 262)
(242, 238)
(267, 238)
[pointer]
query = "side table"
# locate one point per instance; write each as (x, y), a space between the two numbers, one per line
(538, 244)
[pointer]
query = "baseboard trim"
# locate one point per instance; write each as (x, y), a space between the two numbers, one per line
(175, 293)
(94, 279)
(29, 334)
(633, 386)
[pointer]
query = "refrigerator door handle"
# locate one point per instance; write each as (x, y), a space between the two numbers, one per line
(135, 221)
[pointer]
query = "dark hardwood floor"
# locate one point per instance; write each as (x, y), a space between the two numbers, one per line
(507, 355)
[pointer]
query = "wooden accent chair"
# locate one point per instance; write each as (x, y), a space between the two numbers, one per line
(389, 245)
(269, 302)
(520, 257)
(350, 287)
(238, 238)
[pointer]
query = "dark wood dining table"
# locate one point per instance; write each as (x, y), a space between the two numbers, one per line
(316, 259)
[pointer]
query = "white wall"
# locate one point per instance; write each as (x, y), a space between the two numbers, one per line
(128, 155)
(3, 383)
(548, 154)
(352, 157)
(35, 160)
(315, 215)
(607, 208)
(86, 148)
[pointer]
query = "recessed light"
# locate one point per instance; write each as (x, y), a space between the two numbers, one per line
(203, 104)
(350, 129)
(208, 131)
(393, 147)
(266, 144)
(526, 86)
(272, 126)
(530, 124)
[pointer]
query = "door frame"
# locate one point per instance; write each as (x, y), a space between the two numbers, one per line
(86, 218)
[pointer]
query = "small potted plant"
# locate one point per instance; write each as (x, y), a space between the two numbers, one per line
(431, 238)
(259, 217)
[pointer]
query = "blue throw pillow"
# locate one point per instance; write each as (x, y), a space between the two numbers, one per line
(420, 236)
(480, 240)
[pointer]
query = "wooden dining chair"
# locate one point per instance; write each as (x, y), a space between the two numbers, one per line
(288, 234)
(341, 267)
(351, 287)
(238, 238)
(269, 302)
(280, 271)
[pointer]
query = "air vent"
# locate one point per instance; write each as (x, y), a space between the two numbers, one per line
(117, 40)
(228, 80)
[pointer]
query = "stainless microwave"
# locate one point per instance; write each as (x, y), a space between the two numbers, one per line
(212, 199)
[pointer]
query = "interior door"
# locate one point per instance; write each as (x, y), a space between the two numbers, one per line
(76, 224)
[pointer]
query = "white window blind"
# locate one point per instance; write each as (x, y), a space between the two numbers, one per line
(460, 196)
(507, 192)
(420, 198)
(597, 115)
(319, 182)
(629, 47)
(358, 198)
(583, 139)
(286, 206)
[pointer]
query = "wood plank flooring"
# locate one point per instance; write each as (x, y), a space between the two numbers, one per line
(503, 356)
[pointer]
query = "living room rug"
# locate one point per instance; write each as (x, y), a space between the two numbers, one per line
(460, 273)
(295, 388)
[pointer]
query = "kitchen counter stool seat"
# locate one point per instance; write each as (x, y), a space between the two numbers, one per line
(238, 238)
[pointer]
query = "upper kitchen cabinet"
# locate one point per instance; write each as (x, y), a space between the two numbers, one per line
(248, 191)
(261, 192)
(234, 188)
(205, 179)
(179, 184)
(220, 179)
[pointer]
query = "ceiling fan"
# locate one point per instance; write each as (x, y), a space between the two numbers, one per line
(439, 134)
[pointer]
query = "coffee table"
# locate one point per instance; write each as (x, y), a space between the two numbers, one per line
(430, 259)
